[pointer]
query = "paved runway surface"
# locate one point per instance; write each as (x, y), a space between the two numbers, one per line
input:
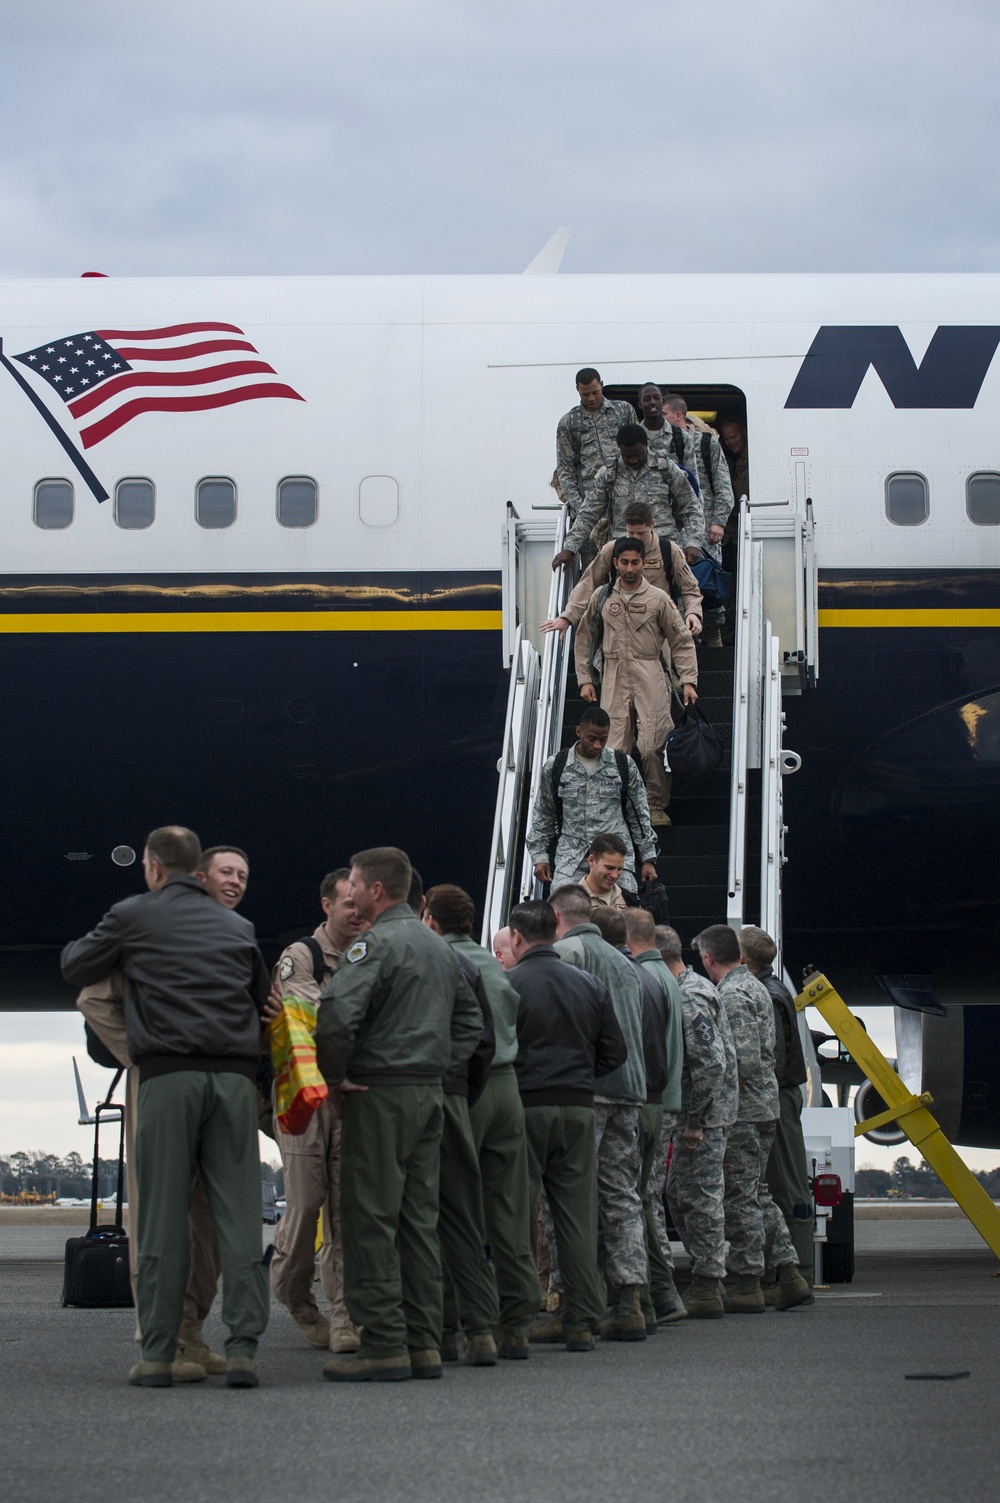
(809, 1403)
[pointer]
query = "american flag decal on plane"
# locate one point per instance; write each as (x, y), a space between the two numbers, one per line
(110, 376)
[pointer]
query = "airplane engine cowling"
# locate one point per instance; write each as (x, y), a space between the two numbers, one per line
(956, 1057)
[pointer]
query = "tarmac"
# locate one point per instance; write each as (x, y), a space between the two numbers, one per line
(816, 1402)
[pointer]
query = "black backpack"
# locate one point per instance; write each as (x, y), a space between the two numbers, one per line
(653, 897)
(558, 768)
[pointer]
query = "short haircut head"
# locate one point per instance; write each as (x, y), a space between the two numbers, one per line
(611, 924)
(572, 903)
(668, 942)
(607, 845)
(630, 434)
(640, 926)
(647, 384)
(674, 402)
(757, 947)
(638, 514)
(719, 941)
(629, 545)
(332, 880)
(176, 848)
(415, 892)
(386, 864)
(452, 908)
(534, 921)
(587, 375)
(209, 855)
(594, 715)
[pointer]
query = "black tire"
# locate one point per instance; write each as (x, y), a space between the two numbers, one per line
(838, 1263)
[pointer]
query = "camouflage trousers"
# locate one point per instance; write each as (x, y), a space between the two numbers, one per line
(778, 1244)
(622, 1237)
(652, 1190)
(696, 1195)
(744, 1217)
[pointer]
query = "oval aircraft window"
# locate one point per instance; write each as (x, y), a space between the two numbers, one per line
(378, 500)
(135, 503)
(52, 505)
(298, 502)
(215, 503)
(907, 499)
(982, 499)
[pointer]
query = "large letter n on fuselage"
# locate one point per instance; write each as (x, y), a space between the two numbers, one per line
(951, 373)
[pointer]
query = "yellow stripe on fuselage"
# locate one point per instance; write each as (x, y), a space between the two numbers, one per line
(205, 621)
(891, 618)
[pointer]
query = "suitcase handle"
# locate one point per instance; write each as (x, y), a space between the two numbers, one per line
(108, 1107)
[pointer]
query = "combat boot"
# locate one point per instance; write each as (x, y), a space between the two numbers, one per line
(348, 1369)
(241, 1372)
(344, 1340)
(513, 1346)
(549, 1330)
(198, 1351)
(712, 636)
(186, 1370)
(579, 1339)
(152, 1375)
(426, 1363)
(627, 1323)
(702, 1300)
(480, 1351)
(449, 1346)
(793, 1289)
(668, 1304)
(747, 1297)
(316, 1332)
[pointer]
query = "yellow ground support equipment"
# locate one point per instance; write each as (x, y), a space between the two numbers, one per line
(911, 1112)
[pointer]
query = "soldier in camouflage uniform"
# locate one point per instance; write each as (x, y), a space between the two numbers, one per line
(709, 1099)
(751, 1018)
(636, 475)
(590, 801)
(585, 438)
(617, 1101)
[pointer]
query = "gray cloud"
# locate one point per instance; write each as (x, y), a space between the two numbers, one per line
(315, 138)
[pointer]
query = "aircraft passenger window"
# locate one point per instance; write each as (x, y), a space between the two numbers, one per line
(135, 503)
(298, 502)
(215, 503)
(907, 500)
(378, 500)
(52, 506)
(982, 499)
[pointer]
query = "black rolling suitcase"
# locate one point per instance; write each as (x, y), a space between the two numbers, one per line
(96, 1271)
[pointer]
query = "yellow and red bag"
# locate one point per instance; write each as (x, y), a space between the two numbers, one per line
(299, 1088)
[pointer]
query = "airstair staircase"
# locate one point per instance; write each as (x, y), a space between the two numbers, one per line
(721, 859)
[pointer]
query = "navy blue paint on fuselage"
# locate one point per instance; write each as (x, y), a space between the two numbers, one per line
(301, 747)
(894, 819)
(951, 374)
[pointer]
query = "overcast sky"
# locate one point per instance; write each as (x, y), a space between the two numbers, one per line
(456, 136)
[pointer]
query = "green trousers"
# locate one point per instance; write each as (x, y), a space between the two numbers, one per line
(206, 1121)
(788, 1178)
(661, 1274)
(498, 1131)
(562, 1156)
(472, 1300)
(389, 1171)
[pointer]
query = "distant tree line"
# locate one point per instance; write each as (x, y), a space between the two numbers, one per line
(70, 1178)
(906, 1181)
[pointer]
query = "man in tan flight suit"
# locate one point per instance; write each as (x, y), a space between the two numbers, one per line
(680, 582)
(225, 872)
(312, 1159)
(605, 864)
(640, 624)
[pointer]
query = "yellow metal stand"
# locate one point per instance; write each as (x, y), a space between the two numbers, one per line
(908, 1110)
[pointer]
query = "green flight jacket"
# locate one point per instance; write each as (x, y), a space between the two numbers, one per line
(398, 1011)
(675, 1027)
(585, 947)
(502, 997)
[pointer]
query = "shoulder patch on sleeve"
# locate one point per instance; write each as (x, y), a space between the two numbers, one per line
(357, 952)
(286, 968)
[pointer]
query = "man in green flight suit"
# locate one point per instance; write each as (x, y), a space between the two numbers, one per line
(395, 1019)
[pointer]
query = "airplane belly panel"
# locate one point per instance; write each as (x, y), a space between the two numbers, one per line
(343, 714)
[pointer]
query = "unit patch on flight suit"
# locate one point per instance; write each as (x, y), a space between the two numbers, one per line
(358, 951)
